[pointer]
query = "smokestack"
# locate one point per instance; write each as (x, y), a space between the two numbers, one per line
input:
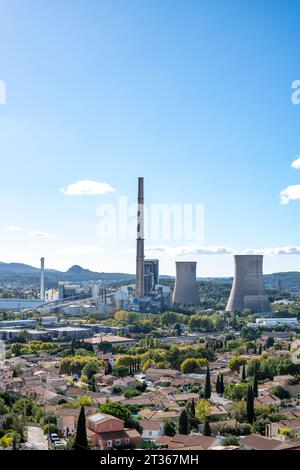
(186, 289)
(248, 290)
(42, 289)
(139, 282)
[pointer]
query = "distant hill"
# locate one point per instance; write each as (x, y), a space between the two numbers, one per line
(26, 274)
(23, 273)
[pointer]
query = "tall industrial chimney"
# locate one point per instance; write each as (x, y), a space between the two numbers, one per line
(42, 289)
(186, 289)
(139, 286)
(248, 290)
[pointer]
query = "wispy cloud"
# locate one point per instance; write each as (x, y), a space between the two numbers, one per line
(81, 250)
(38, 234)
(290, 193)
(156, 250)
(296, 164)
(282, 250)
(186, 250)
(87, 188)
(14, 228)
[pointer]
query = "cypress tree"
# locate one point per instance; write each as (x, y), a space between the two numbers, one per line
(81, 442)
(221, 387)
(183, 423)
(250, 406)
(193, 410)
(255, 386)
(244, 373)
(255, 380)
(206, 429)
(207, 390)
(108, 369)
(218, 384)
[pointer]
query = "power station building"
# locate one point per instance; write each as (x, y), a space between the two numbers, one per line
(186, 289)
(248, 290)
(151, 275)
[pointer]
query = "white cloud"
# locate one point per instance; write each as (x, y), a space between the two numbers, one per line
(38, 234)
(87, 188)
(156, 250)
(290, 193)
(188, 250)
(81, 250)
(296, 164)
(282, 250)
(15, 228)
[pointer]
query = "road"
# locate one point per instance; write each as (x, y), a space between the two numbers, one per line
(35, 439)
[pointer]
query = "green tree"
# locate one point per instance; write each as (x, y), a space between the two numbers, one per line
(280, 392)
(270, 342)
(207, 429)
(105, 346)
(243, 378)
(218, 384)
(255, 380)
(169, 428)
(221, 389)
(236, 362)
(207, 389)
(250, 406)
(183, 423)
(202, 410)
(81, 442)
(120, 371)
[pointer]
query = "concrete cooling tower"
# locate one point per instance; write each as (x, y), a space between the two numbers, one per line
(248, 290)
(186, 289)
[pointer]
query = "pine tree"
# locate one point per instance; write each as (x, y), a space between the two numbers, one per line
(250, 406)
(207, 390)
(221, 387)
(81, 442)
(183, 423)
(218, 384)
(207, 429)
(244, 373)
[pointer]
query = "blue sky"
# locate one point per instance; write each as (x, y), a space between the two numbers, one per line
(193, 95)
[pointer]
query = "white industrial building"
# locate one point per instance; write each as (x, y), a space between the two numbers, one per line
(269, 322)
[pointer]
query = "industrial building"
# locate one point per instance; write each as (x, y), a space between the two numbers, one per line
(16, 305)
(151, 275)
(66, 289)
(186, 289)
(270, 322)
(248, 290)
(25, 323)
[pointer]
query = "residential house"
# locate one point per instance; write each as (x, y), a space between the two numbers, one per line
(257, 442)
(154, 374)
(284, 429)
(191, 441)
(267, 400)
(151, 429)
(125, 382)
(107, 432)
